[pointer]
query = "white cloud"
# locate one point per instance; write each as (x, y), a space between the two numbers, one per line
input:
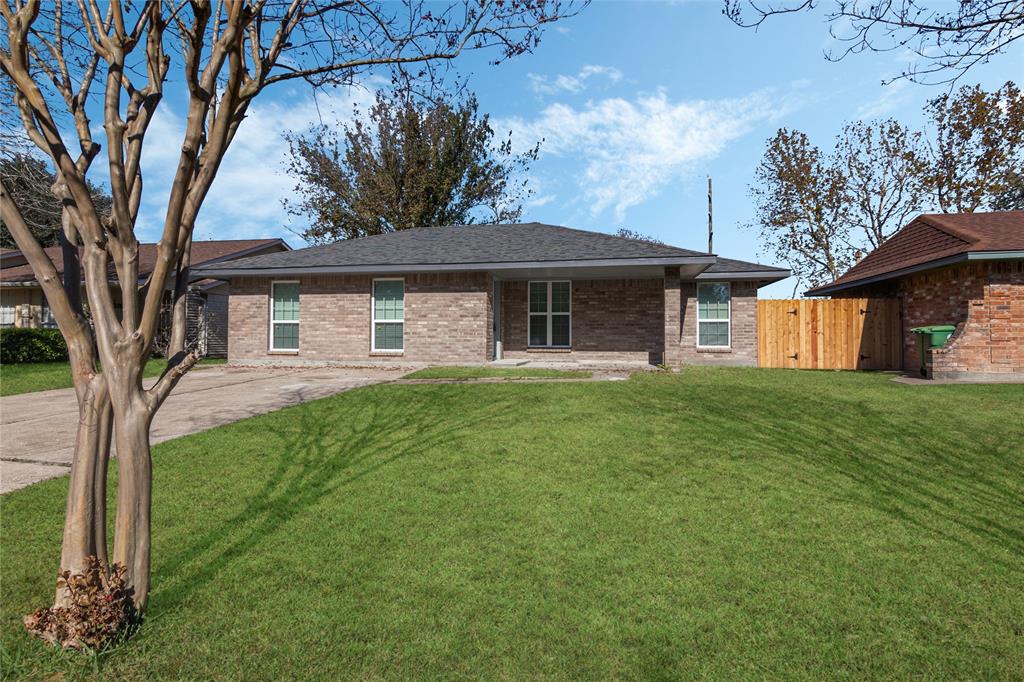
(245, 199)
(894, 95)
(574, 84)
(631, 149)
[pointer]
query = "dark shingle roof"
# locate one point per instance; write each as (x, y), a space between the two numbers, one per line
(521, 243)
(935, 237)
(730, 265)
(202, 252)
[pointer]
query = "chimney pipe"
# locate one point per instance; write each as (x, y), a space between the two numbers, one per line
(711, 231)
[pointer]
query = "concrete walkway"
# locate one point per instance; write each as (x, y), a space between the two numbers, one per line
(37, 430)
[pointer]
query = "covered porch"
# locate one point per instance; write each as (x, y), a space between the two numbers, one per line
(626, 316)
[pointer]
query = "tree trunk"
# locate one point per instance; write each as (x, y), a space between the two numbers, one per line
(134, 491)
(85, 532)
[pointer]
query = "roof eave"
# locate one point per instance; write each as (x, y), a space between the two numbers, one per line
(829, 289)
(769, 276)
(228, 273)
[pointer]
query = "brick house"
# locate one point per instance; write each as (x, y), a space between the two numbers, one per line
(22, 303)
(479, 293)
(965, 269)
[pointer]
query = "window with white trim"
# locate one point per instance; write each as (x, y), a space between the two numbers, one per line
(388, 327)
(7, 315)
(550, 323)
(714, 304)
(284, 316)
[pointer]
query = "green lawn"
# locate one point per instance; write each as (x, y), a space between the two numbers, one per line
(721, 523)
(496, 372)
(44, 376)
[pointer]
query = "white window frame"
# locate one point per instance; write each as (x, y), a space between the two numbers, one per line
(548, 315)
(8, 315)
(373, 316)
(270, 316)
(728, 320)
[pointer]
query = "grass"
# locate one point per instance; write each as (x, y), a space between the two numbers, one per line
(721, 523)
(45, 376)
(496, 372)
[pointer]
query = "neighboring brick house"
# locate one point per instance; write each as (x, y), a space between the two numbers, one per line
(22, 303)
(471, 294)
(965, 269)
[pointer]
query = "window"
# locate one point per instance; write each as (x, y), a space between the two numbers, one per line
(7, 313)
(713, 306)
(284, 316)
(46, 319)
(550, 315)
(388, 315)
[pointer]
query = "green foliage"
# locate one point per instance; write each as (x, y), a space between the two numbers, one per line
(407, 163)
(22, 344)
(30, 181)
(711, 524)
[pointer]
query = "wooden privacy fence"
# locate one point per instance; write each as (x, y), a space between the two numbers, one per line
(839, 333)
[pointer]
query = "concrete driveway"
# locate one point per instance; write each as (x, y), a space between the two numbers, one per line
(37, 430)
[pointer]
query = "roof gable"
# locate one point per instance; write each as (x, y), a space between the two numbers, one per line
(934, 237)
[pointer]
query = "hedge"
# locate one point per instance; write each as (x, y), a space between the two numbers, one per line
(18, 345)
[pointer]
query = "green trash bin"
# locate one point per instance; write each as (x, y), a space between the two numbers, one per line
(932, 336)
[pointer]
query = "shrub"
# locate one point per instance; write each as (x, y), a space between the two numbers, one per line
(18, 345)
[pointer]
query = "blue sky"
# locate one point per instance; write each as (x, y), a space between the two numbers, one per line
(638, 102)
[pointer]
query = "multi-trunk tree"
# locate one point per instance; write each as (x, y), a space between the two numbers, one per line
(75, 69)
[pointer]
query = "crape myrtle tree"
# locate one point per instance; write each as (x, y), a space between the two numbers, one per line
(943, 40)
(76, 68)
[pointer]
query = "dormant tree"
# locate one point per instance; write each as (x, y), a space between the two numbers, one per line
(885, 169)
(800, 199)
(407, 162)
(944, 39)
(968, 158)
(77, 68)
(976, 147)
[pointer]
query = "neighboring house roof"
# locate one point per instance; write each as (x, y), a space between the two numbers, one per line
(467, 247)
(732, 267)
(933, 240)
(207, 252)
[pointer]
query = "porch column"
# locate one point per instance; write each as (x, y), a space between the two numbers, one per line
(673, 356)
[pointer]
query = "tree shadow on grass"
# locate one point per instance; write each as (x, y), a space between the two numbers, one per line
(927, 477)
(319, 449)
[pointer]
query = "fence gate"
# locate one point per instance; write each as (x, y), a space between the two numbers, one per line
(839, 333)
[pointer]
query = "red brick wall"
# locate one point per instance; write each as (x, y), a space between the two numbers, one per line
(989, 339)
(743, 344)
(612, 319)
(986, 302)
(446, 319)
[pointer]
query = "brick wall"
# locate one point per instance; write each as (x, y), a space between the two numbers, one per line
(612, 320)
(986, 302)
(446, 319)
(743, 344)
